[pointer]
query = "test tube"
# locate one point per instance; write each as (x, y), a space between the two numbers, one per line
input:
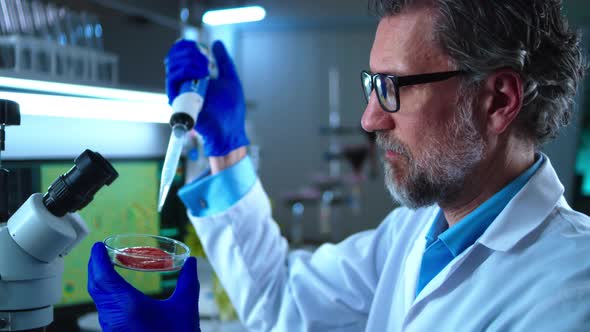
(7, 52)
(325, 225)
(297, 210)
(54, 24)
(334, 119)
(11, 16)
(4, 21)
(39, 20)
(23, 17)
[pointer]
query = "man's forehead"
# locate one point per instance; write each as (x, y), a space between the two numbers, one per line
(405, 42)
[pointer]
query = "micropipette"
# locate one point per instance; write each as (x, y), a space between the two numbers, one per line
(185, 109)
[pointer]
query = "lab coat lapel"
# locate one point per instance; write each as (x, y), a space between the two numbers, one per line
(441, 277)
(412, 268)
(525, 212)
(413, 263)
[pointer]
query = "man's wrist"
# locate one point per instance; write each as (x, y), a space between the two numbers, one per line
(218, 164)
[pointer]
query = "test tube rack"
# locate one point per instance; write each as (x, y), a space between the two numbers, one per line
(31, 57)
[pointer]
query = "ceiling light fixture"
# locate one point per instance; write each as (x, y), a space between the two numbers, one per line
(234, 15)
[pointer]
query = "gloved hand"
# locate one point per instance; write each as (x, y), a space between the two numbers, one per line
(221, 122)
(123, 308)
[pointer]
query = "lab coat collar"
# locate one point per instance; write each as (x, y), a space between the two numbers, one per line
(526, 211)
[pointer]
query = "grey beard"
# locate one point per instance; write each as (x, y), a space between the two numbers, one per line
(441, 171)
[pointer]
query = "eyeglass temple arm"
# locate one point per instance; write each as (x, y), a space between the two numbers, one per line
(426, 78)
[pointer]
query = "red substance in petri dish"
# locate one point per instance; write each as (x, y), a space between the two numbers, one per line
(145, 258)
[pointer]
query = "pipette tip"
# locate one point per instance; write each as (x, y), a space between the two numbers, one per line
(160, 205)
(163, 194)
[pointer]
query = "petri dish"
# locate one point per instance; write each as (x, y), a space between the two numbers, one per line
(145, 252)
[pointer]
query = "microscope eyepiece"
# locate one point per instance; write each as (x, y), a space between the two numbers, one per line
(9, 116)
(73, 190)
(9, 112)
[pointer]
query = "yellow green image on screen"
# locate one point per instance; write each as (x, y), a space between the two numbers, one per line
(128, 205)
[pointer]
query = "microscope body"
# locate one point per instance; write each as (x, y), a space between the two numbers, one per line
(35, 238)
(32, 246)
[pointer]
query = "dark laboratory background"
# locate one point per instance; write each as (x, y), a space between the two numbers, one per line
(300, 72)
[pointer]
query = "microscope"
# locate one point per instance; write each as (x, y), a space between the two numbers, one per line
(37, 236)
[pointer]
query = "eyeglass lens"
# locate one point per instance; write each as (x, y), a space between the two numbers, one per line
(367, 85)
(386, 92)
(385, 88)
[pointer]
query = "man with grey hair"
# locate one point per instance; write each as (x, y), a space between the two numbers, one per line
(461, 95)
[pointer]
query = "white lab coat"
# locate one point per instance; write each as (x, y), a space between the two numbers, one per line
(529, 271)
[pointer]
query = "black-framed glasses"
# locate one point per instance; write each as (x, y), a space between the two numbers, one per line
(387, 86)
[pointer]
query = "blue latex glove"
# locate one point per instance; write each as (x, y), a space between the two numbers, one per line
(123, 308)
(221, 122)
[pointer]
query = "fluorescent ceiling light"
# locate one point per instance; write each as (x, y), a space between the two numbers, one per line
(82, 90)
(234, 15)
(90, 108)
(83, 101)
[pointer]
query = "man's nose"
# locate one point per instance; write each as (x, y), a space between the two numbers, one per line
(375, 118)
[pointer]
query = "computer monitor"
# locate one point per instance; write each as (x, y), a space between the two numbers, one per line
(128, 205)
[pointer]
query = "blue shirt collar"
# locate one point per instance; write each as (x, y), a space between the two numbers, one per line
(471, 227)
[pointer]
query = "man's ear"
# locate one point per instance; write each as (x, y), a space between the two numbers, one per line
(501, 98)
